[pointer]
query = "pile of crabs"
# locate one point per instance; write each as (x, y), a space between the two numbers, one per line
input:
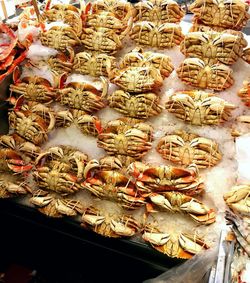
(81, 71)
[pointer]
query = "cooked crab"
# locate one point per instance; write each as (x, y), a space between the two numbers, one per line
(120, 138)
(199, 107)
(214, 47)
(178, 202)
(109, 224)
(66, 13)
(238, 199)
(32, 121)
(121, 9)
(102, 40)
(60, 38)
(246, 55)
(231, 14)
(12, 185)
(241, 126)
(105, 19)
(244, 93)
(70, 159)
(33, 87)
(54, 205)
(87, 124)
(166, 178)
(163, 36)
(138, 58)
(159, 11)
(137, 79)
(53, 176)
(83, 96)
(109, 183)
(186, 148)
(195, 72)
(95, 65)
(173, 244)
(141, 106)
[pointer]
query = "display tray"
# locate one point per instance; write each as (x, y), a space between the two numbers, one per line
(28, 237)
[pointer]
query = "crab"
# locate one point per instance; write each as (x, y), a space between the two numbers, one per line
(11, 161)
(246, 55)
(118, 138)
(109, 183)
(12, 185)
(32, 121)
(238, 199)
(87, 124)
(241, 126)
(54, 205)
(121, 9)
(141, 106)
(33, 88)
(105, 19)
(60, 38)
(186, 148)
(158, 11)
(227, 14)
(103, 40)
(165, 178)
(66, 13)
(199, 107)
(20, 146)
(173, 244)
(109, 224)
(83, 96)
(137, 79)
(62, 62)
(195, 72)
(138, 58)
(70, 159)
(161, 36)
(244, 93)
(178, 202)
(10, 55)
(214, 47)
(95, 65)
(53, 176)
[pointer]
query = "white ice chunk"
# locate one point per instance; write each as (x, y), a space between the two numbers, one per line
(243, 158)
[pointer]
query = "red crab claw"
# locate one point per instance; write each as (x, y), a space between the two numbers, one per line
(98, 126)
(85, 11)
(16, 75)
(62, 80)
(47, 5)
(5, 29)
(8, 61)
(15, 63)
(19, 166)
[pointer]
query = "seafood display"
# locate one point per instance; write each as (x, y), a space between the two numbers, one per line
(93, 133)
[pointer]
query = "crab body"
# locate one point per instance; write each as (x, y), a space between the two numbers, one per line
(113, 185)
(197, 73)
(166, 178)
(95, 65)
(185, 148)
(60, 38)
(141, 106)
(83, 96)
(175, 245)
(108, 224)
(226, 14)
(158, 11)
(214, 47)
(178, 202)
(199, 108)
(163, 36)
(122, 139)
(138, 58)
(137, 79)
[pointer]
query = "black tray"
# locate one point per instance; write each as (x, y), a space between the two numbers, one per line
(54, 246)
